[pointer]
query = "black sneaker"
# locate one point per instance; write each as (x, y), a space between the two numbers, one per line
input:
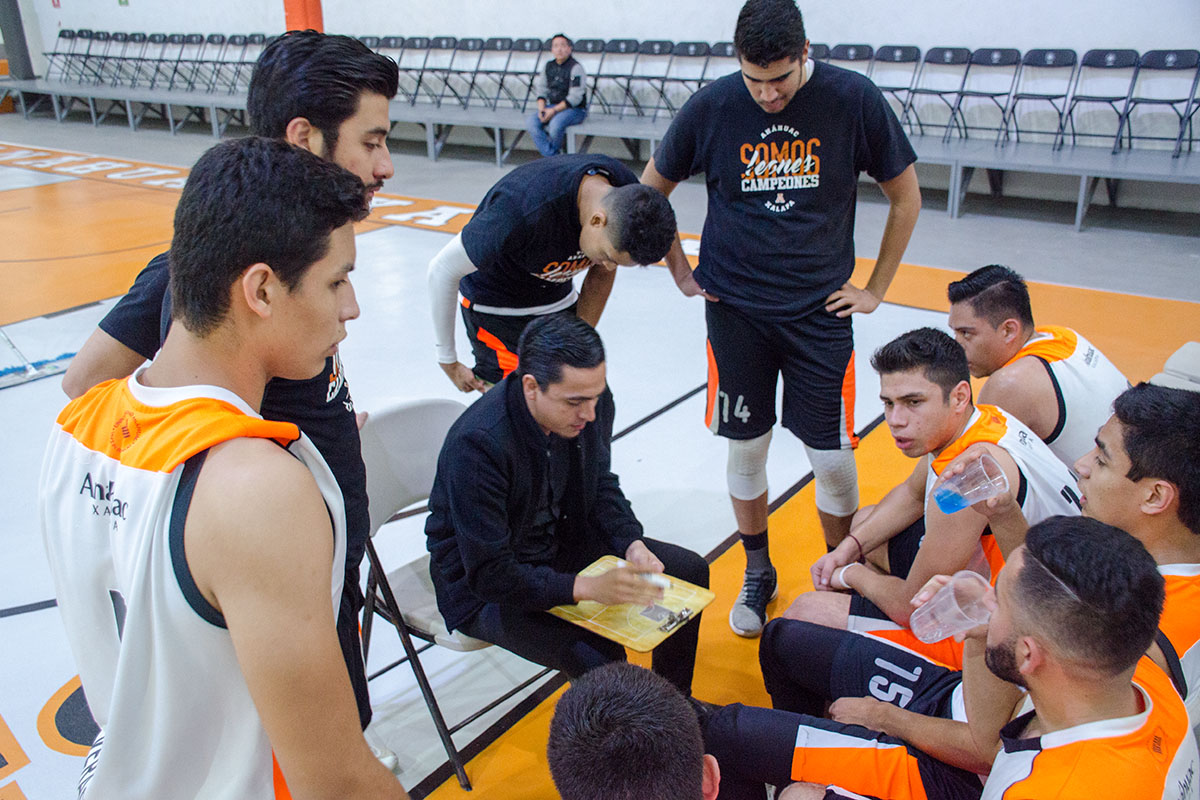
(749, 612)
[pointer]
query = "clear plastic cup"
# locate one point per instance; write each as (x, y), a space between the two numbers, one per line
(956, 607)
(982, 479)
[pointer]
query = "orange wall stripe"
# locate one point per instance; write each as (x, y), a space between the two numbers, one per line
(301, 15)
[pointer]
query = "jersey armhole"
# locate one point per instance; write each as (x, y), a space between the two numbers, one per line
(1058, 397)
(183, 573)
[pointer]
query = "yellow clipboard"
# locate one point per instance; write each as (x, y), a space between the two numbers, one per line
(637, 627)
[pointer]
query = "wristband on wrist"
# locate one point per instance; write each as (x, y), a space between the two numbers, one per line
(839, 576)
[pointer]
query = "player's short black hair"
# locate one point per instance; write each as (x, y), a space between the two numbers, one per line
(1112, 615)
(995, 293)
(563, 36)
(940, 358)
(769, 31)
(642, 221)
(317, 76)
(555, 341)
(623, 733)
(249, 201)
(1162, 439)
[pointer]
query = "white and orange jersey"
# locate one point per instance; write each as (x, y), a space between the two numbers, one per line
(1149, 756)
(1085, 383)
(1047, 488)
(155, 658)
(1180, 623)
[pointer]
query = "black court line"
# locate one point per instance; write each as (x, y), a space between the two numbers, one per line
(25, 609)
(445, 772)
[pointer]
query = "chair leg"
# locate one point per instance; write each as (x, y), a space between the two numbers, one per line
(410, 650)
(368, 613)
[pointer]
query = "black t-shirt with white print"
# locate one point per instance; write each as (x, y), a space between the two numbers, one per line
(779, 234)
(524, 237)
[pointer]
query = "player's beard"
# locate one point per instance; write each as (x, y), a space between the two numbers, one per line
(1002, 661)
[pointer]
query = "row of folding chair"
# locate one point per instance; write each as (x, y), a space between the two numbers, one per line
(189, 62)
(1113, 96)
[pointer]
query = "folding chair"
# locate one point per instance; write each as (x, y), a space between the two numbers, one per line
(400, 447)
(610, 84)
(1166, 79)
(516, 84)
(370, 42)
(818, 52)
(58, 58)
(940, 78)
(211, 57)
(187, 63)
(1104, 78)
(685, 74)
(987, 84)
(855, 57)
(392, 47)
(224, 76)
(111, 72)
(92, 59)
(255, 44)
(648, 75)
(491, 70)
(75, 70)
(458, 78)
(722, 61)
(146, 66)
(431, 83)
(591, 54)
(1045, 77)
(412, 64)
(168, 60)
(893, 71)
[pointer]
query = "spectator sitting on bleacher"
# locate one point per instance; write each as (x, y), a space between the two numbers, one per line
(623, 733)
(1049, 377)
(535, 230)
(926, 393)
(561, 91)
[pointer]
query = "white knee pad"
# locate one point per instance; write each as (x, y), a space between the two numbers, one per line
(746, 471)
(836, 480)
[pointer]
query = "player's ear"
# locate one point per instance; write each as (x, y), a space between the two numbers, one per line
(303, 134)
(255, 289)
(711, 781)
(599, 218)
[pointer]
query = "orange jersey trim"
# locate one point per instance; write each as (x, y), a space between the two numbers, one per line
(109, 420)
(848, 394)
(278, 783)
(1179, 621)
(990, 427)
(1058, 347)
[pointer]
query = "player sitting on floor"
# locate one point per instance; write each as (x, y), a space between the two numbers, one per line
(1073, 611)
(1049, 377)
(926, 393)
(623, 733)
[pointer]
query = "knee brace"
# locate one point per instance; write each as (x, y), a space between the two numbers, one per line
(746, 471)
(836, 480)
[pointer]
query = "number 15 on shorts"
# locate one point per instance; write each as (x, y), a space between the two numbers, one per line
(740, 409)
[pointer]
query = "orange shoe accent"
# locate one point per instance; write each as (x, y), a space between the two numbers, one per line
(504, 357)
(466, 303)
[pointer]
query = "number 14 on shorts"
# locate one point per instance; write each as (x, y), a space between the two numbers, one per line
(740, 409)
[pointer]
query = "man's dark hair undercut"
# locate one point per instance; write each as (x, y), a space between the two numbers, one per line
(769, 31)
(555, 341)
(1162, 439)
(1091, 590)
(642, 221)
(623, 733)
(316, 76)
(939, 358)
(995, 293)
(250, 201)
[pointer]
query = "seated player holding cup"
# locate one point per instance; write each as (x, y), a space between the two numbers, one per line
(1073, 611)
(926, 392)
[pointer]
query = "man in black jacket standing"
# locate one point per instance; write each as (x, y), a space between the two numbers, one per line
(561, 98)
(525, 498)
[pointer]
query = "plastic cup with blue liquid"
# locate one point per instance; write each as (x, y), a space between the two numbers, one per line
(982, 479)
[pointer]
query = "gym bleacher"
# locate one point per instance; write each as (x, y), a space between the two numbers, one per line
(1108, 115)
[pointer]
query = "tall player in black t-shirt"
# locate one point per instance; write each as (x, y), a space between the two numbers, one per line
(328, 95)
(781, 145)
(536, 229)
